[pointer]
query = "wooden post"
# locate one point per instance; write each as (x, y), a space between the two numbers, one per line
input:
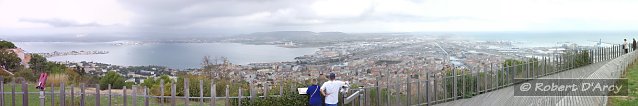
(201, 92)
(173, 94)
(134, 95)
(161, 103)
(186, 93)
(239, 95)
(281, 90)
(361, 98)
(82, 94)
(62, 94)
(110, 94)
(146, 103)
(72, 94)
(253, 94)
(213, 93)
(97, 94)
(25, 92)
(124, 95)
(13, 92)
(266, 90)
(227, 96)
(52, 95)
(2, 90)
(340, 98)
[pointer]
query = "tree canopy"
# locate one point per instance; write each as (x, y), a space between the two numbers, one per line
(7, 45)
(111, 77)
(9, 60)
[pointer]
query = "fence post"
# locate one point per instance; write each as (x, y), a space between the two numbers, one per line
(227, 96)
(124, 95)
(418, 90)
(146, 103)
(82, 94)
(266, 90)
(25, 92)
(13, 92)
(2, 89)
(173, 94)
(252, 92)
(72, 94)
(97, 94)
(454, 84)
(239, 95)
(201, 92)
(398, 88)
(408, 92)
(52, 95)
(378, 91)
(281, 90)
(434, 87)
(427, 88)
(478, 75)
(387, 79)
(340, 98)
(161, 103)
(213, 93)
(361, 98)
(134, 95)
(110, 94)
(62, 94)
(186, 93)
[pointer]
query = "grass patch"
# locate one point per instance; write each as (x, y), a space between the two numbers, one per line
(90, 99)
(632, 100)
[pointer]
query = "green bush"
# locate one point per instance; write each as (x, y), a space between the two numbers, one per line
(288, 99)
(111, 77)
(6, 45)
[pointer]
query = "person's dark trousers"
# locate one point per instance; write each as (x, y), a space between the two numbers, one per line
(626, 51)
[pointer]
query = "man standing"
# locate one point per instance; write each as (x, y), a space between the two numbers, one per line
(330, 90)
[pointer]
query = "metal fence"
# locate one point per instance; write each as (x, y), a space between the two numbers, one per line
(451, 84)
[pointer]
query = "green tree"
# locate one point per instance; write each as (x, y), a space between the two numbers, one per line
(9, 60)
(38, 62)
(7, 45)
(111, 77)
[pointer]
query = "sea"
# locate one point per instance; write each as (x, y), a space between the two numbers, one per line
(190, 55)
(172, 55)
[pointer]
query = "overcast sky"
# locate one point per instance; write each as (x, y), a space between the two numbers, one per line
(227, 17)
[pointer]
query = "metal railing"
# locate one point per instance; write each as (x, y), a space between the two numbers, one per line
(455, 83)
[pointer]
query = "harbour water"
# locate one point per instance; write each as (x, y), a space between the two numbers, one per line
(190, 55)
(172, 55)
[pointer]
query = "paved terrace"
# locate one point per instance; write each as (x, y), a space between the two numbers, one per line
(505, 96)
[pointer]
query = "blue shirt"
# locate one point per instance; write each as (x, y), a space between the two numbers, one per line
(316, 97)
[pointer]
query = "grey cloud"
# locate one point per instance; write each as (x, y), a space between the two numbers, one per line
(186, 12)
(59, 22)
(202, 17)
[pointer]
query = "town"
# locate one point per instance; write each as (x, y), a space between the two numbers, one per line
(359, 62)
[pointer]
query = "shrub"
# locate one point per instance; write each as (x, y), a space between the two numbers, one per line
(111, 77)
(26, 74)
